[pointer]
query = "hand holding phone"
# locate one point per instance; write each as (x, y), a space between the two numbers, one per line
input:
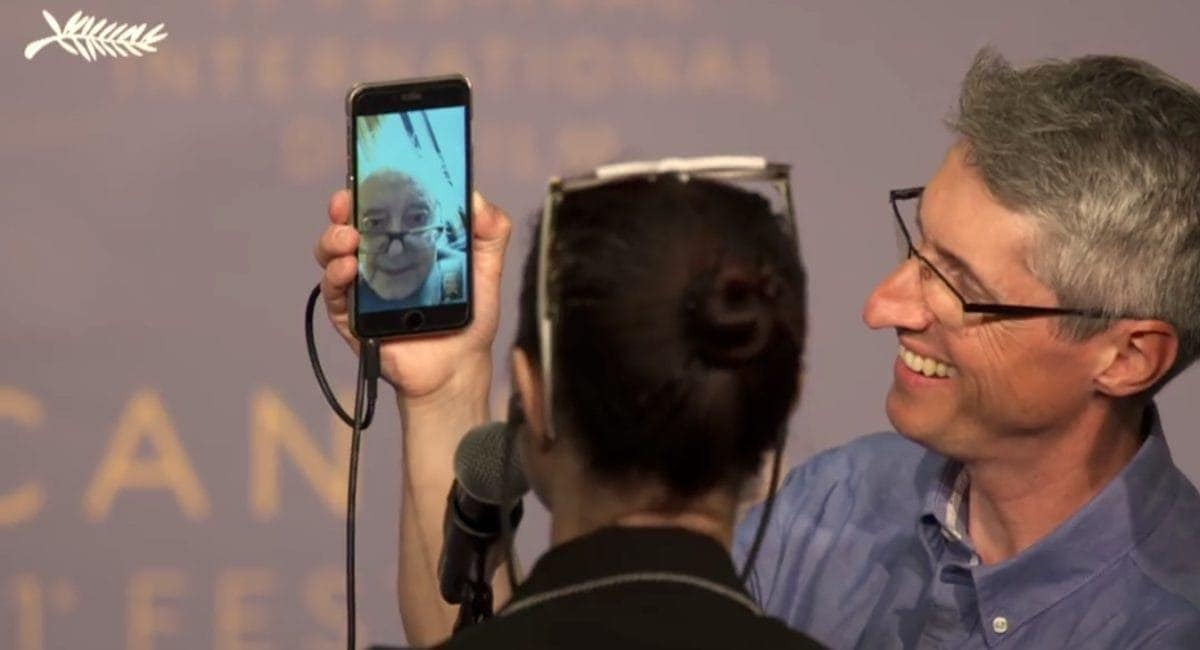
(409, 149)
(419, 367)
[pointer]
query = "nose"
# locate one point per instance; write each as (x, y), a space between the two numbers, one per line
(395, 244)
(898, 302)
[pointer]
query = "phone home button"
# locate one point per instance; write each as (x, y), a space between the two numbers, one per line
(414, 320)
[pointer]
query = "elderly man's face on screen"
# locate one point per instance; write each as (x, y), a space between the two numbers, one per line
(399, 232)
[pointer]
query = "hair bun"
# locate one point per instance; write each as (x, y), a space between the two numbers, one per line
(731, 314)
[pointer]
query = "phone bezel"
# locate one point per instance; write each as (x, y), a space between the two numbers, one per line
(391, 97)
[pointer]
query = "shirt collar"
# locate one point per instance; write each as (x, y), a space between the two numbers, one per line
(946, 503)
(1124, 512)
(622, 550)
(943, 522)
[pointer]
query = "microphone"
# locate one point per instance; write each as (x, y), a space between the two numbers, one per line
(474, 506)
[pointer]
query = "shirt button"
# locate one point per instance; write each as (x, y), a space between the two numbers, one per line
(1000, 625)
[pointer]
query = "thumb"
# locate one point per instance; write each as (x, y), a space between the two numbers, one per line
(491, 225)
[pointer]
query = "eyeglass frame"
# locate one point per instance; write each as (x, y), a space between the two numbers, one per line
(392, 235)
(720, 168)
(993, 309)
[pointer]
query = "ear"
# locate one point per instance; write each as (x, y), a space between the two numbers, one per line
(1141, 353)
(529, 385)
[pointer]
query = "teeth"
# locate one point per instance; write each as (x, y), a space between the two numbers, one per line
(924, 365)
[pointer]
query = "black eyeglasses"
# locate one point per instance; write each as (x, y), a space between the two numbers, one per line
(383, 238)
(968, 307)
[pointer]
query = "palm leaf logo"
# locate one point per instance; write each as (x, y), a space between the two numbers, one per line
(90, 38)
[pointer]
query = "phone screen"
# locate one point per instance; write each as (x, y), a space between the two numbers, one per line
(411, 186)
(410, 151)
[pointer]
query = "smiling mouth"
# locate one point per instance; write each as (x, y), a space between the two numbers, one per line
(925, 365)
(399, 270)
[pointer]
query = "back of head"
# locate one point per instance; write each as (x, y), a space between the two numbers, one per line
(1104, 153)
(679, 332)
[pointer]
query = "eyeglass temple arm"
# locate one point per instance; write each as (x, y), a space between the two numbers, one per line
(1032, 310)
(905, 194)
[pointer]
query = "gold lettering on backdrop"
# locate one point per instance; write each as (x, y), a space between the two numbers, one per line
(274, 427)
(174, 70)
(31, 612)
(148, 616)
(711, 68)
(239, 609)
(324, 594)
(34, 604)
(145, 419)
(653, 66)
(440, 10)
(160, 606)
(228, 60)
(583, 68)
(23, 502)
(329, 66)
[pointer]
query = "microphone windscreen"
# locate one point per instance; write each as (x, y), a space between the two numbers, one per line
(479, 464)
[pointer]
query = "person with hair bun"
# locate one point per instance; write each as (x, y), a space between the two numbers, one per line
(679, 341)
(678, 347)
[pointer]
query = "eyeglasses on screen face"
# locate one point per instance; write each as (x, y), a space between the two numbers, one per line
(381, 238)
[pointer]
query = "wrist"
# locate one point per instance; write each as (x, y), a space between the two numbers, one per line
(462, 401)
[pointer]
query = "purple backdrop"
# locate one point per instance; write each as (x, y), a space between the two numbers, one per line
(169, 476)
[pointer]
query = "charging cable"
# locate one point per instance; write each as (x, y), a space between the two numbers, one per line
(365, 392)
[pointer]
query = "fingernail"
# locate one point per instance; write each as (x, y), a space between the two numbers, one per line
(477, 202)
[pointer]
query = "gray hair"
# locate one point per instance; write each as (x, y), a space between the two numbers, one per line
(1104, 153)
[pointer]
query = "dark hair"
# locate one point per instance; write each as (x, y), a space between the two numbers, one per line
(680, 329)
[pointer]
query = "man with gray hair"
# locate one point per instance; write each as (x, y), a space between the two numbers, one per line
(1049, 287)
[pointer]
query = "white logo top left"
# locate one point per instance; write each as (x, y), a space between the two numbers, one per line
(90, 38)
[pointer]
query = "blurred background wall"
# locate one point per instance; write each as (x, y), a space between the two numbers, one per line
(169, 474)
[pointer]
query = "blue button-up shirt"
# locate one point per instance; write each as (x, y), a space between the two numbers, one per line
(868, 548)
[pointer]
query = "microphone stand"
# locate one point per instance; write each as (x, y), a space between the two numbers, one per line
(473, 592)
(476, 597)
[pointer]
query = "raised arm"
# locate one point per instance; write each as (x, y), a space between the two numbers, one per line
(442, 385)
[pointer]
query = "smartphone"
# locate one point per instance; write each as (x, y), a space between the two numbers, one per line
(409, 173)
